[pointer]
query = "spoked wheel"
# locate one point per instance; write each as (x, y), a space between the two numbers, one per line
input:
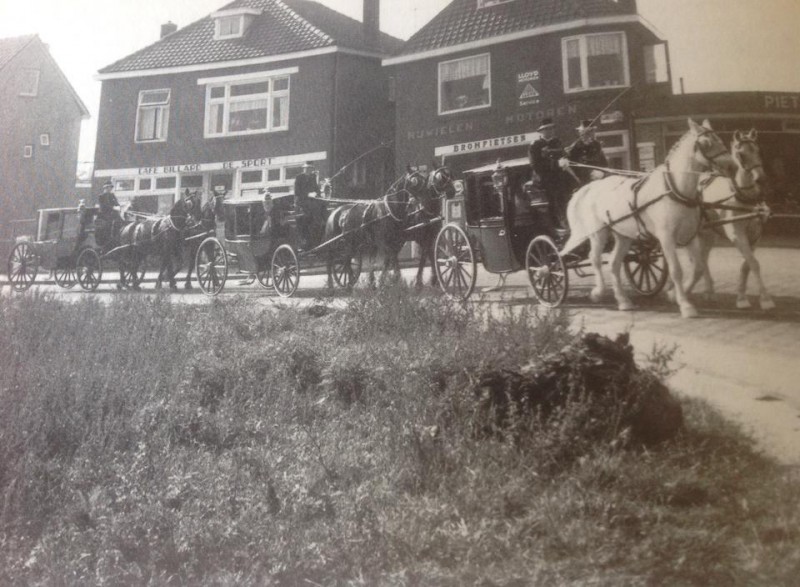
(89, 269)
(455, 262)
(64, 274)
(285, 271)
(211, 266)
(346, 271)
(131, 272)
(546, 271)
(646, 268)
(22, 266)
(264, 274)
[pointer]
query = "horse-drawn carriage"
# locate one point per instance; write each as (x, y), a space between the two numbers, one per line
(507, 225)
(66, 245)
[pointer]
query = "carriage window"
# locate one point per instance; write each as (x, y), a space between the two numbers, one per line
(247, 107)
(152, 116)
(464, 84)
(51, 230)
(72, 223)
(595, 61)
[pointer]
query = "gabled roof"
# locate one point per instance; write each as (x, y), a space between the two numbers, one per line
(282, 27)
(462, 22)
(13, 46)
(9, 48)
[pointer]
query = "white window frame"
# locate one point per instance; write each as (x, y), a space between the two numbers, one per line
(162, 108)
(44, 139)
(219, 35)
(226, 101)
(31, 88)
(27, 151)
(584, 55)
(441, 65)
(624, 150)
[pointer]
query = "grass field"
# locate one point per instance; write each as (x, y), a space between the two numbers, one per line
(145, 442)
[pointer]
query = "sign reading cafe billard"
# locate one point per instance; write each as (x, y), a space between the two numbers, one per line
(486, 144)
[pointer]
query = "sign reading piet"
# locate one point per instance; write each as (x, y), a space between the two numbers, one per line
(528, 87)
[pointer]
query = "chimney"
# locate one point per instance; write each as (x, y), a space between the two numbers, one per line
(168, 28)
(372, 22)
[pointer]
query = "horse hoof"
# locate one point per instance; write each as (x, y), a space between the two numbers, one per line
(767, 304)
(743, 304)
(689, 312)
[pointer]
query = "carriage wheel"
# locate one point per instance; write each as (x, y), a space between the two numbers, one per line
(64, 274)
(546, 271)
(455, 262)
(646, 268)
(22, 266)
(285, 271)
(264, 275)
(347, 271)
(89, 270)
(211, 266)
(131, 272)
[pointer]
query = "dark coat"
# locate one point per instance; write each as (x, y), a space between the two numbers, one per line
(304, 184)
(590, 153)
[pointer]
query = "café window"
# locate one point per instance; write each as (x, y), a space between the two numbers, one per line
(29, 82)
(152, 116)
(465, 84)
(595, 61)
(249, 106)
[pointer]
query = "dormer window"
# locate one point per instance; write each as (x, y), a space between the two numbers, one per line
(488, 3)
(233, 23)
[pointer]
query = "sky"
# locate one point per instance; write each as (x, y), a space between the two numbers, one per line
(715, 45)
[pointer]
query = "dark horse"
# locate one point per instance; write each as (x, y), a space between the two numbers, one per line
(380, 228)
(161, 236)
(425, 218)
(194, 234)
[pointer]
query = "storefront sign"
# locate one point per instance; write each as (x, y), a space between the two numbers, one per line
(528, 87)
(782, 101)
(537, 115)
(486, 144)
(441, 131)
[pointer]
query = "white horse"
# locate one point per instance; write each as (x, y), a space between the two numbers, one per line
(727, 200)
(665, 203)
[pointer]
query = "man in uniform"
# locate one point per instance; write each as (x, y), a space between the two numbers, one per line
(108, 221)
(587, 150)
(304, 185)
(544, 154)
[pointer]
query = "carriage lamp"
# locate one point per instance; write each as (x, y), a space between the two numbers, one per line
(499, 178)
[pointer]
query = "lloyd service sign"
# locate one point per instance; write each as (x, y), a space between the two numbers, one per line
(528, 87)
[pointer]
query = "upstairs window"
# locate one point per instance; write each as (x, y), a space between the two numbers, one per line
(249, 106)
(488, 3)
(655, 64)
(233, 23)
(29, 82)
(465, 84)
(152, 116)
(595, 61)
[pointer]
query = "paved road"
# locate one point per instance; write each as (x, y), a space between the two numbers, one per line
(744, 362)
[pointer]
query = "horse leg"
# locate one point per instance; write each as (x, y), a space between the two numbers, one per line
(187, 283)
(621, 246)
(698, 249)
(669, 247)
(750, 264)
(598, 242)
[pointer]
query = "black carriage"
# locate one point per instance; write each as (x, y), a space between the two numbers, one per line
(65, 245)
(505, 223)
(270, 246)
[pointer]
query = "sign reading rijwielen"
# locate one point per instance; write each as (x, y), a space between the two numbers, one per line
(487, 144)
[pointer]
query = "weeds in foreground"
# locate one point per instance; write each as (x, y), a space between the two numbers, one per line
(149, 443)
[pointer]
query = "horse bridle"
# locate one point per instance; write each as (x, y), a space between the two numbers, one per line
(710, 158)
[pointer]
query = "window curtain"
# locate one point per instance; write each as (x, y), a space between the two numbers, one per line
(465, 68)
(604, 45)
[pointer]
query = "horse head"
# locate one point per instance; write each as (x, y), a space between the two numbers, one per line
(186, 210)
(710, 153)
(750, 176)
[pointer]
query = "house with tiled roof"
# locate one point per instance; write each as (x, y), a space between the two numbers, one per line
(40, 121)
(474, 84)
(242, 98)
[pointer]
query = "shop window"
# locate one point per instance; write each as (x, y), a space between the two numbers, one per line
(145, 184)
(595, 61)
(166, 183)
(192, 182)
(29, 82)
(465, 84)
(152, 116)
(124, 185)
(247, 107)
(616, 148)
